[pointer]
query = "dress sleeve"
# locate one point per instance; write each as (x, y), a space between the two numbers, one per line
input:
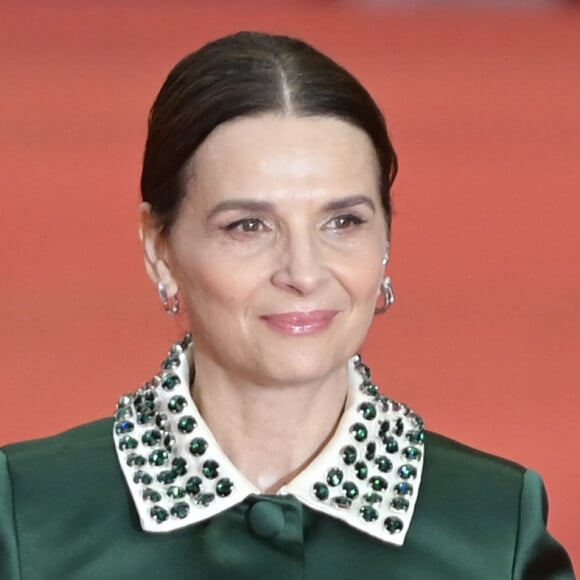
(538, 555)
(9, 562)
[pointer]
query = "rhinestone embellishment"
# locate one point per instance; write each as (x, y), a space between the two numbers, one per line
(393, 525)
(153, 427)
(159, 514)
(198, 446)
(176, 473)
(186, 424)
(224, 487)
(348, 454)
(180, 509)
(211, 468)
(384, 458)
(321, 491)
(369, 513)
(334, 477)
(193, 485)
(124, 427)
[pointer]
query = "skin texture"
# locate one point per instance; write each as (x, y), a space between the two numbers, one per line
(282, 218)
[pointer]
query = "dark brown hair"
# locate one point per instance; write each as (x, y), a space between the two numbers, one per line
(243, 75)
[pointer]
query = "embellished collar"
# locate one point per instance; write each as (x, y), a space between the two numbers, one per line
(367, 475)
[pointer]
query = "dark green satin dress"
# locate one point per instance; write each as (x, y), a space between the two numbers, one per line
(66, 514)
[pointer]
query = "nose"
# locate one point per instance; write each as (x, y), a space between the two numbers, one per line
(301, 266)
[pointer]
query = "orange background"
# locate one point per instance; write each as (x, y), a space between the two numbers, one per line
(484, 108)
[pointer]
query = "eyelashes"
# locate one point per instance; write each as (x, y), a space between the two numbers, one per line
(249, 225)
(343, 222)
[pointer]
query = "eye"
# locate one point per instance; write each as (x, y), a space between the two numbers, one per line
(247, 225)
(343, 222)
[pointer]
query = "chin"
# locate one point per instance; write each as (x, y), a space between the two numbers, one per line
(305, 366)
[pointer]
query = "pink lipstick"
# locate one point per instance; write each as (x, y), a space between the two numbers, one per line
(300, 323)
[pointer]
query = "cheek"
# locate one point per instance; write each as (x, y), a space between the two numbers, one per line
(212, 286)
(363, 283)
(205, 286)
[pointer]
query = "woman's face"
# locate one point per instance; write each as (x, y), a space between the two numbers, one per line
(278, 247)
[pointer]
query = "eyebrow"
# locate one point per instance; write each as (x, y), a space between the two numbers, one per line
(240, 204)
(350, 201)
(265, 206)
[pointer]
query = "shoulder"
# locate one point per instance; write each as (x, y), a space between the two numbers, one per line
(77, 446)
(498, 508)
(466, 480)
(56, 482)
(448, 455)
(64, 490)
(67, 467)
(468, 494)
(89, 433)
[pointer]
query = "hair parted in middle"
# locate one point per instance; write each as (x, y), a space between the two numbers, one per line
(243, 75)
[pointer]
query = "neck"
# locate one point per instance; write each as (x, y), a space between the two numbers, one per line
(269, 433)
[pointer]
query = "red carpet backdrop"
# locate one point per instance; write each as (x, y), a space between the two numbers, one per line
(484, 108)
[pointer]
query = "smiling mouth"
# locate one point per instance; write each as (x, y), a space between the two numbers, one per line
(300, 323)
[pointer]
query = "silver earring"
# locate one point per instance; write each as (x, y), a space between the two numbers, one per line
(387, 295)
(386, 256)
(386, 291)
(170, 303)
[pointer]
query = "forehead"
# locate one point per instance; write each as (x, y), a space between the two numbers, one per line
(274, 155)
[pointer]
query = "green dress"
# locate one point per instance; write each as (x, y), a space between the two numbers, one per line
(149, 496)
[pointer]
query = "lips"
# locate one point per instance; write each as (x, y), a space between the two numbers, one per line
(300, 323)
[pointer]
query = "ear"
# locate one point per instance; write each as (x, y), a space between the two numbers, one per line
(385, 264)
(386, 255)
(155, 250)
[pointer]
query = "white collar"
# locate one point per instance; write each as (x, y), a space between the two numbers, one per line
(367, 475)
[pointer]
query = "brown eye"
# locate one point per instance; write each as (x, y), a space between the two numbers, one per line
(251, 225)
(247, 225)
(343, 222)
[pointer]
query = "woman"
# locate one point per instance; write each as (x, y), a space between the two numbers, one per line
(263, 448)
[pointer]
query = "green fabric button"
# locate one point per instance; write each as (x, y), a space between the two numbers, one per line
(266, 519)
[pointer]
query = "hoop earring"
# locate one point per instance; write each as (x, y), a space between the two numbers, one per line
(387, 295)
(170, 303)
